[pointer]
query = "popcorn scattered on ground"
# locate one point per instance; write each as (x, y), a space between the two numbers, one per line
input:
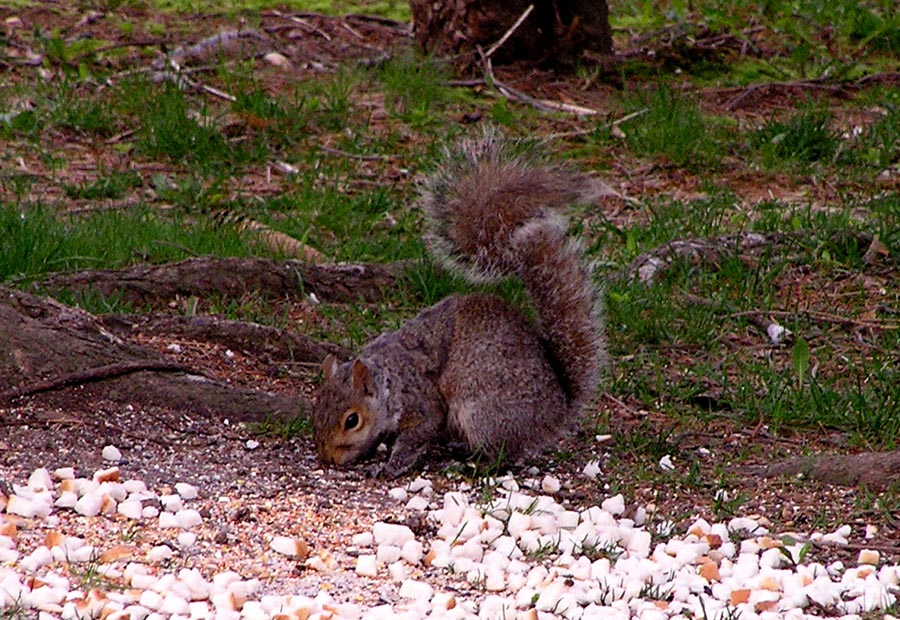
(512, 554)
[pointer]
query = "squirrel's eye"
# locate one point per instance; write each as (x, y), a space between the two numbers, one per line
(351, 421)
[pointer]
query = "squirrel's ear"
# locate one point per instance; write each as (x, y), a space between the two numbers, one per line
(329, 366)
(362, 378)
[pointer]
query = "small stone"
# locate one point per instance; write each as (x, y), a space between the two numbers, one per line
(399, 494)
(110, 474)
(666, 464)
(418, 485)
(252, 444)
(40, 481)
(591, 469)
(417, 502)
(186, 540)
(869, 556)
(412, 552)
(295, 548)
(709, 571)
(112, 454)
(387, 554)
(614, 505)
(550, 485)
(160, 553)
(28, 508)
(64, 473)
(365, 539)
(186, 491)
(89, 505)
(739, 596)
(366, 566)
(391, 533)
(188, 518)
(277, 60)
(130, 509)
(416, 590)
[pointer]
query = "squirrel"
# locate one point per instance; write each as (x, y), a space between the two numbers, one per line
(471, 368)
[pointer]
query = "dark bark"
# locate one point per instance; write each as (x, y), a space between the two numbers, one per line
(556, 31)
(142, 285)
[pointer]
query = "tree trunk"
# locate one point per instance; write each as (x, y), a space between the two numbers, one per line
(556, 31)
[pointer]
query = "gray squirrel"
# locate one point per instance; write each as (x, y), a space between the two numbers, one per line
(472, 369)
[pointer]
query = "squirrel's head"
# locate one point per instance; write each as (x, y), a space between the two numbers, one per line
(348, 419)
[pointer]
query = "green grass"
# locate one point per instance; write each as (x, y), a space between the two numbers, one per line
(672, 125)
(34, 242)
(805, 137)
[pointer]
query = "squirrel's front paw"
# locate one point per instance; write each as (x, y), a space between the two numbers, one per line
(374, 470)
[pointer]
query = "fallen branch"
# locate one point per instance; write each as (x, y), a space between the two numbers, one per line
(221, 43)
(98, 373)
(777, 333)
(544, 105)
(765, 88)
(710, 251)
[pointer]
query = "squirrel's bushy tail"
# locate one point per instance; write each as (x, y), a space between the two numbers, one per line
(495, 213)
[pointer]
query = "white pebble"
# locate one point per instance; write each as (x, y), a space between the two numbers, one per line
(186, 539)
(291, 547)
(64, 473)
(28, 508)
(130, 509)
(40, 480)
(518, 524)
(591, 469)
(399, 494)
(417, 502)
(364, 539)
(188, 518)
(111, 454)
(391, 533)
(160, 553)
(666, 464)
(252, 444)
(89, 505)
(614, 505)
(550, 485)
(397, 571)
(366, 566)
(412, 552)
(171, 502)
(420, 484)
(186, 491)
(387, 554)
(418, 590)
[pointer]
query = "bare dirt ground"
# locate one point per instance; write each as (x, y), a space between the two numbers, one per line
(278, 484)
